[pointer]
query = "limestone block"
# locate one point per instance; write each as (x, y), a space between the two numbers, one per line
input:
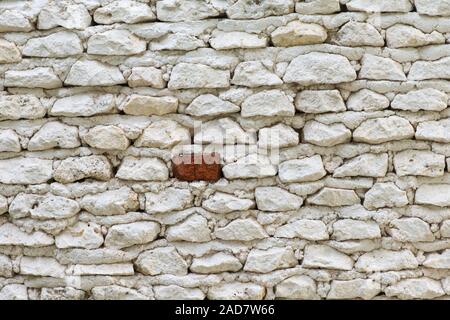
(319, 68)
(276, 199)
(142, 169)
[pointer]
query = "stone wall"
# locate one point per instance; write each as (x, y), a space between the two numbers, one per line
(330, 117)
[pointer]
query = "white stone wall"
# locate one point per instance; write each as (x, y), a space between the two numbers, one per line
(331, 118)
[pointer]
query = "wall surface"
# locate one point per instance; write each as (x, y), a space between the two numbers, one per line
(331, 120)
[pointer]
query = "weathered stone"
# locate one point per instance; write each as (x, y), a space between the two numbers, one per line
(334, 198)
(313, 230)
(402, 36)
(380, 5)
(223, 131)
(365, 165)
(35, 78)
(74, 169)
(297, 288)
(173, 292)
(379, 68)
(437, 131)
(241, 230)
(14, 21)
(81, 235)
(14, 292)
(317, 7)
(410, 230)
(124, 11)
(164, 134)
(9, 53)
(319, 101)
(54, 207)
(386, 260)
(425, 99)
(424, 70)
(226, 203)
(419, 163)
(118, 269)
(115, 43)
(278, 136)
(139, 105)
(126, 235)
(176, 41)
(302, 170)
(385, 195)
(433, 7)
(65, 14)
(268, 104)
(210, 105)
(319, 68)
(254, 74)
(348, 229)
(11, 235)
(60, 293)
(367, 100)
(191, 76)
(115, 292)
(375, 131)
(251, 166)
(359, 288)
(421, 288)
(41, 266)
(94, 73)
(434, 194)
(244, 9)
(170, 199)
(21, 106)
(321, 256)
(6, 267)
(193, 229)
(358, 34)
(142, 169)
(146, 77)
(57, 45)
(25, 171)
(326, 135)
(112, 202)
(438, 260)
(107, 138)
(54, 135)
(276, 199)
(216, 263)
(184, 10)
(93, 256)
(161, 261)
(296, 33)
(264, 261)
(83, 105)
(237, 40)
(9, 141)
(236, 291)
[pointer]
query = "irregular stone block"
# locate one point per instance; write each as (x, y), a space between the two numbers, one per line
(127, 235)
(74, 169)
(193, 229)
(321, 256)
(319, 68)
(264, 261)
(25, 171)
(161, 261)
(142, 169)
(40, 77)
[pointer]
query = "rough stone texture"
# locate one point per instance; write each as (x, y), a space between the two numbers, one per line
(325, 122)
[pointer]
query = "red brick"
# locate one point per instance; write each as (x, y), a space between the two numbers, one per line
(192, 167)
